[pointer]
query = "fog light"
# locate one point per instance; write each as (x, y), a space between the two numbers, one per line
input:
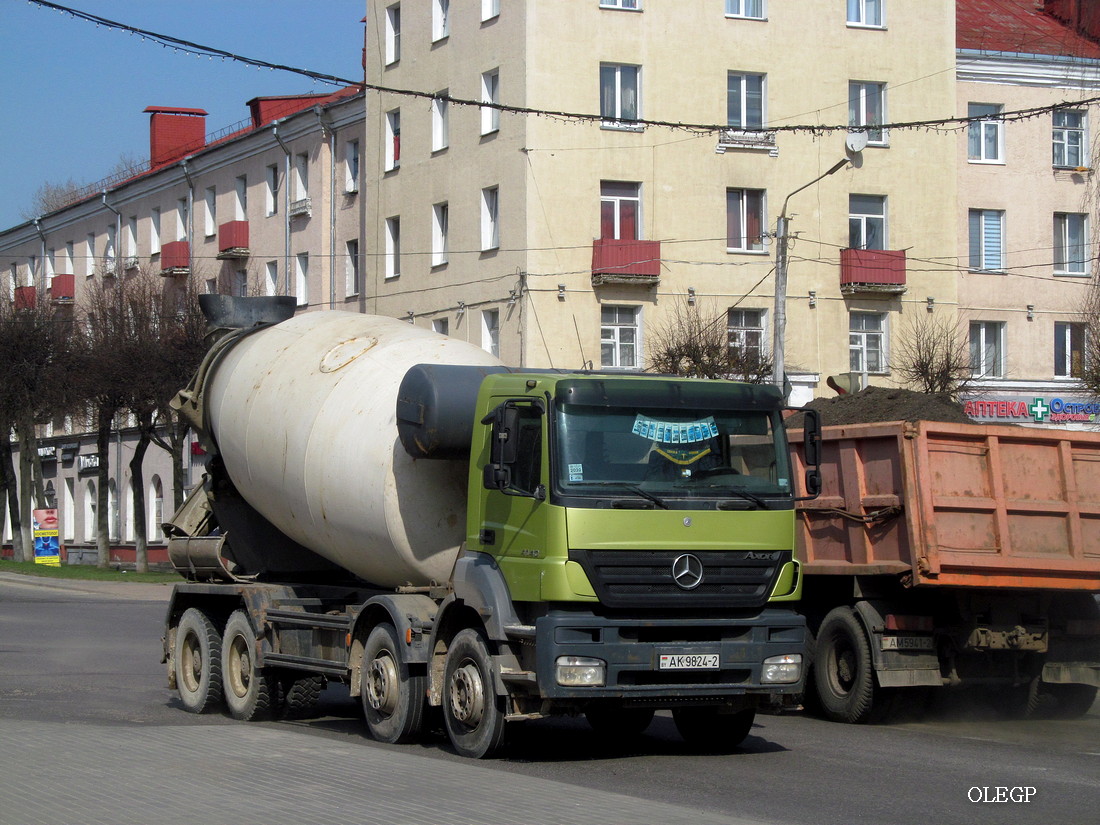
(782, 669)
(581, 670)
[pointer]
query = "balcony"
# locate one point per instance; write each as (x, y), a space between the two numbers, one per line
(301, 207)
(175, 259)
(872, 272)
(26, 297)
(233, 240)
(742, 139)
(626, 262)
(62, 289)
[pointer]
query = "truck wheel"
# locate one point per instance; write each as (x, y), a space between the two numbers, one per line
(248, 690)
(617, 722)
(711, 730)
(197, 655)
(1074, 700)
(298, 694)
(842, 668)
(473, 714)
(393, 700)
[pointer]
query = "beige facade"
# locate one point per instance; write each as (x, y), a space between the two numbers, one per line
(679, 62)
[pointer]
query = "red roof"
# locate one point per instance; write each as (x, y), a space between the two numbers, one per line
(1018, 27)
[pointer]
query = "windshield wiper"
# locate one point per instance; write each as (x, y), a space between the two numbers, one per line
(633, 488)
(755, 499)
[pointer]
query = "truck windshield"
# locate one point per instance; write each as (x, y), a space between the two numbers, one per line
(669, 453)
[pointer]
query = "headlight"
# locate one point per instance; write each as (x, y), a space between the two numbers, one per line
(782, 669)
(581, 671)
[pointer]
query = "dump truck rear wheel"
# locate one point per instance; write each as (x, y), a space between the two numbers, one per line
(248, 688)
(473, 713)
(393, 700)
(714, 731)
(843, 675)
(197, 656)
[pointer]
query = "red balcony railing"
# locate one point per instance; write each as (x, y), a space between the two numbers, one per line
(233, 240)
(26, 297)
(175, 258)
(872, 270)
(618, 261)
(62, 289)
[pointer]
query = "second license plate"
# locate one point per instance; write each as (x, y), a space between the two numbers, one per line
(689, 661)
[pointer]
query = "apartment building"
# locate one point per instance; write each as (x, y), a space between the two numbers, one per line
(1027, 204)
(564, 241)
(267, 206)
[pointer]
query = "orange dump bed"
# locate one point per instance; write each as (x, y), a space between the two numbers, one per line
(956, 504)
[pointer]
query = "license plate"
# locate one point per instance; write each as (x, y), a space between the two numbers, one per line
(689, 661)
(907, 643)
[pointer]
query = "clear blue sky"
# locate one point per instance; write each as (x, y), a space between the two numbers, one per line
(74, 94)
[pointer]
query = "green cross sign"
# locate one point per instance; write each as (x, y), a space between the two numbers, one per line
(1039, 409)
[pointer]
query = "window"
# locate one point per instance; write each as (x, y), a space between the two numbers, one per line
(441, 126)
(351, 166)
(1069, 138)
(242, 283)
(182, 219)
(745, 8)
(987, 240)
(489, 9)
(620, 210)
(212, 286)
(440, 216)
(621, 4)
(271, 278)
(109, 248)
(154, 234)
(745, 220)
(746, 332)
(866, 13)
(301, 278)
(866, 108)
(129, 238)
(866, 339)
(987, 349)
(210, 219)
(351, 268)
(441, 326)
(90, 261)
(866, 222)
(393, 247)
(240, 205)
(619, 95)
(619, 339)
(393, 140)
(984, 142)
(490, 218)
(441, 24)
(70, 252)
(271, 191)
(1069, 349)
(393, 34)
(490, 331)
(745, 100)
(1071, 253)
(51, 263)
(301, 177)
(490, 93)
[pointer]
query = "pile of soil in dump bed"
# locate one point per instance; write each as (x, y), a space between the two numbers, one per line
(884, 404)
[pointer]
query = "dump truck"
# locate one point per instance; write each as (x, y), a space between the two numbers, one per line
(395, 512)
(952, 555)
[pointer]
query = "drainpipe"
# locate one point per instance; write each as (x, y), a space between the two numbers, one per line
(326, 126)
(41, 256)
(190, 228)
(118, 228)
(286, 209)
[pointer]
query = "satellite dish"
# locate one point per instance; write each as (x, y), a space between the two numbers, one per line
(856, 141)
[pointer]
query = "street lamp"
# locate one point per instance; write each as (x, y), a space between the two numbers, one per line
(780, 320)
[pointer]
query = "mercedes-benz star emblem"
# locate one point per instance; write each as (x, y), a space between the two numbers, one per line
(687, 571)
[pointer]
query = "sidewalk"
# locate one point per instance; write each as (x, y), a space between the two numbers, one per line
(115, 590)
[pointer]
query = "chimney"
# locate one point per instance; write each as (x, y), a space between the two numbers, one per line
(174, 133)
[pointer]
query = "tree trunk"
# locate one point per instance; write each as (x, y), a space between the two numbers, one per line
(137, 482)
(26, 484)
(29, 437)
(7, 469)
(103, 515)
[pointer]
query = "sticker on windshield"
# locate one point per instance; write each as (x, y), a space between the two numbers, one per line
(667, 432)
(576, 472)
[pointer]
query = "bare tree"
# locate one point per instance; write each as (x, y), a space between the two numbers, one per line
(1090, 318)
(694, 341)
(932, 355)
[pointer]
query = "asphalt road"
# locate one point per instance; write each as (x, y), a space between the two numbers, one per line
(90, 733)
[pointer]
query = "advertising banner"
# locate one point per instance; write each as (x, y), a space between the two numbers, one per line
(47, 547)
(1033, 409)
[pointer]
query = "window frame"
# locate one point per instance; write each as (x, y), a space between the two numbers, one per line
(1063, 246)
(391, 143)
(441, 121)
(489, 9)
(353, 280)
(978, 130)
(441, 216)
(490, 93)
(271, 190)
(857, 14)
(615, 327)
(978, 239)
(988, 341)
(738, 9)
(441, 20)
(490, 218)
(743, 329)
(613, 116)
(1066, 349)
(741, 97)
(210, 215)
(393, 248)
(1060, 138)
(859, 118)
(301, 278)
(351, 166)
(621, 5)
(865, 220)
(743, 196)
(609, 198)
(393, 34)
(490, 331)
(860, 338)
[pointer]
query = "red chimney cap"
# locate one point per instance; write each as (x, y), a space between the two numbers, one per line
(175, 110)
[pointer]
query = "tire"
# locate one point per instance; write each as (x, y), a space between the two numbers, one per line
(298, 694)
(616, 722)
(250, 693)
(197, 659)
(473, 714)
(842, 671)
(394, 701)
(711, 730)
(1073, 700)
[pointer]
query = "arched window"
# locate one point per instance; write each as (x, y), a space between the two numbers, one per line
(89, 512)
(68, 510)
(156, 508)
(128, 513)
(112, 510)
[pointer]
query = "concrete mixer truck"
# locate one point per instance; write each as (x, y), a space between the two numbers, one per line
(395, 511)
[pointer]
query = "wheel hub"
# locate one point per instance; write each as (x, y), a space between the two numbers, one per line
(467, 695)
(382, 688)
